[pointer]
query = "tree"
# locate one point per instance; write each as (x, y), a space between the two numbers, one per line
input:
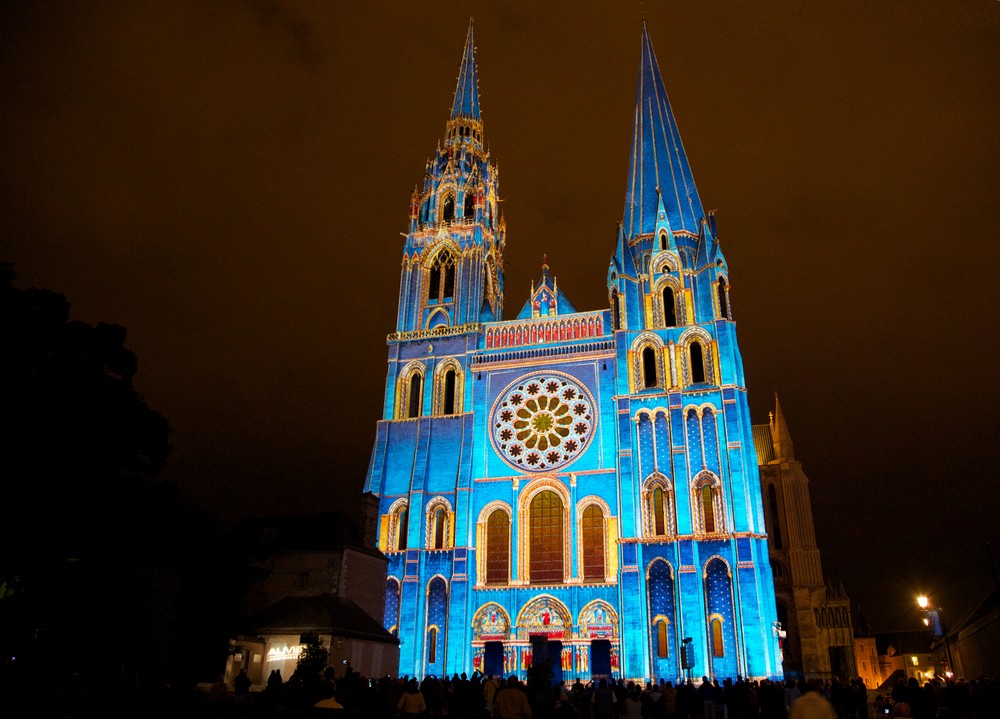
(79, 450)
(74, 433)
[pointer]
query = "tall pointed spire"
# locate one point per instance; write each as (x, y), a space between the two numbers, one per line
(780, 436)
(466, 102)
(657, 159)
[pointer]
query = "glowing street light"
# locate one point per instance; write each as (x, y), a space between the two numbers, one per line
(932, 620)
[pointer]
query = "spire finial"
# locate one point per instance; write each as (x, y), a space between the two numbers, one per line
(545, 261)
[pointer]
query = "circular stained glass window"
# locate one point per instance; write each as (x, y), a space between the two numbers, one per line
(542, 422)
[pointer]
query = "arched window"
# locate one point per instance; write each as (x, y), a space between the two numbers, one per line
(662, 643)
(593, 543)
(441, 278)
(669, 307)
(498, 547)
(697, 363)
(425, 210)
(415, 395)
(663, 240)
(659, 512)
(447, 387)
(723, 298)
(391, 620)
(546, 538)
(616, 310)
(772, 501)
(649, 378)
(448, 209)
(449, 392)
(402, 527)
(470, 206)
(439, 528)
(708, 508)
(718, 646)
(432, 643)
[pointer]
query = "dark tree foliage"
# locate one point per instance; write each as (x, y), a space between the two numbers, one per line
(105, 570)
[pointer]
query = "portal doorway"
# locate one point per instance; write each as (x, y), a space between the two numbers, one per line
(543, 650)
(493, 659)
(600, 659)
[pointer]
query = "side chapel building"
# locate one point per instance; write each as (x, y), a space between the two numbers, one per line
(576, 486)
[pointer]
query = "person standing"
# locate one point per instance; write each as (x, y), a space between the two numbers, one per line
(812, 704)
(510, 701)
(412, 702)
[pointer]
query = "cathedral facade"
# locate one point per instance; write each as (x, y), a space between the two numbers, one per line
(573, 487)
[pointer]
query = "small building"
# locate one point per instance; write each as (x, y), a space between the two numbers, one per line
(315, 574)
(972, 645)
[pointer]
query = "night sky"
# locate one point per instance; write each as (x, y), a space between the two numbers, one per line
(229, 180)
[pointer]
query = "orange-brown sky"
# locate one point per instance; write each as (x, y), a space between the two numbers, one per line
(229, 180)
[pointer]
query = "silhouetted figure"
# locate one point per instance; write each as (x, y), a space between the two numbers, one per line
(412, 702)
(241, 684)
(812, 705)
(511, 702)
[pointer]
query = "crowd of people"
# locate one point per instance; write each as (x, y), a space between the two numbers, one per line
(488, 697)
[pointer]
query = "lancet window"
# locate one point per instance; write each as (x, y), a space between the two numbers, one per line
(722, 292)
(439, 520)
(546, 527)
(649, 377)
(616, 310)
(708, 503)
(592, 535)
(448, 207)
(498, 547)
(399, 525)
(669, 306)
(409, 392)
(659, 507)
(441, 277)
(647, 362)
(697, 363)
(448, 378)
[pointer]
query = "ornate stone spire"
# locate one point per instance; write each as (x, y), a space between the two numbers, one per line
(657, 160)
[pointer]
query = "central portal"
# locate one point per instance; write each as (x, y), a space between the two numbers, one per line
(548, 650)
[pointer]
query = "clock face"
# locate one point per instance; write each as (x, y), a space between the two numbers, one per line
(542, 422)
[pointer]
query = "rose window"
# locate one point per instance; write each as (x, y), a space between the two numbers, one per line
(542, 422)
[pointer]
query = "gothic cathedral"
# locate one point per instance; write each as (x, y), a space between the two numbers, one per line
(577, 487)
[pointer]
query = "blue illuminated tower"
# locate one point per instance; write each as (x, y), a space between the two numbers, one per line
(566, 486)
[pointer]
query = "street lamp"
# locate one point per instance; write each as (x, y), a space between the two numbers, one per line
(932, 620)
